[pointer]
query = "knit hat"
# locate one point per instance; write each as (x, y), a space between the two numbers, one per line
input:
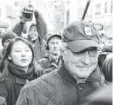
(8, 35)
(49, 36)
(80, 35)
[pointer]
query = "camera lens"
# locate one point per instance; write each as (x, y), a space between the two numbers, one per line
(28, 15)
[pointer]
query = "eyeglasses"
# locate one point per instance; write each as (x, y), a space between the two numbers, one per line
(93, 51)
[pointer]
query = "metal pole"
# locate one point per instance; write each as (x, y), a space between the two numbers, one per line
(86, 9)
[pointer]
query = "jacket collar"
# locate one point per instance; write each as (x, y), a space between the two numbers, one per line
(20, 80)
(94, 77)
(17, 79)
(65, 74)
(14, 78)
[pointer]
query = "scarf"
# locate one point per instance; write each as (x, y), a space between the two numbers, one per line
(17, 71)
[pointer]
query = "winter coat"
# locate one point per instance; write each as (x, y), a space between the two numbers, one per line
(12, 80)
(102, 96)
(58, 88)
(39, 49)
(47, 65)
(18, 28)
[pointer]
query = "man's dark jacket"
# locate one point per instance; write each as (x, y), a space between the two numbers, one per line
(58, 88)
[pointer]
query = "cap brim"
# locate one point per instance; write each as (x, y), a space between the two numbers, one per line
(80, 45)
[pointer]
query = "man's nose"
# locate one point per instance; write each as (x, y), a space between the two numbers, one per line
(86, 58)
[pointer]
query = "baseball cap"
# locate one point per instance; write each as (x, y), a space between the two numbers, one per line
(80, 35)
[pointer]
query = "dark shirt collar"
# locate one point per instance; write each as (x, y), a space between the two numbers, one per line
(94, 77)
(65, 74)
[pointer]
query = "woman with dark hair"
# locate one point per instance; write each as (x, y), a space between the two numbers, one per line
(107, 68)
(18, 70)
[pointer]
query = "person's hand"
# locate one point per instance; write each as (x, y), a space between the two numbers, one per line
(2, 100)
(36, 14)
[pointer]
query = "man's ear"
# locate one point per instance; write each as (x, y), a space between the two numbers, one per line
(9, 57)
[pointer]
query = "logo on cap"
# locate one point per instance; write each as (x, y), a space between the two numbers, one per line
(87, 30)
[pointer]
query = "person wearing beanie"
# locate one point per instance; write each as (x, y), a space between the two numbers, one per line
(6, 39)
(52, 59)
(78, 75)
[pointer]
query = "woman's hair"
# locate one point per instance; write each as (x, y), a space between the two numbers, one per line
(9, 48)
(107, 68)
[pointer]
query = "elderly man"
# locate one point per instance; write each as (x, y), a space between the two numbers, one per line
(78, 75)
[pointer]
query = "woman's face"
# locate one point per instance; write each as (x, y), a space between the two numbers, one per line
(21, 54)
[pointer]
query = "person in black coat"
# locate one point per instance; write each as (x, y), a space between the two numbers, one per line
(19, 70)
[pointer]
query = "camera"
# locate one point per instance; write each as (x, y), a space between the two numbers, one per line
(27, 12)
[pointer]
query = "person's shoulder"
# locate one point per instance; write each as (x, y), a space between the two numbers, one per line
(44, 62)
(6, 80)
(40, 80)
(17, 25)
(43, 85)
(102, 96)
(46, 80)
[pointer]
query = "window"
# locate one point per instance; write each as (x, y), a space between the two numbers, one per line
(106, 9)
(80, 13)
(98, 9)
(111, 6)
(0, 12)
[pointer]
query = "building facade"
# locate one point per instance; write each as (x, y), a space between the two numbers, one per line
(99, 12)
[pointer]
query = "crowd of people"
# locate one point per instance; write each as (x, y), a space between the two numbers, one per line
(40, 68)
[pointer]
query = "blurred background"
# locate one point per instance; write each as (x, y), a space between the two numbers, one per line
(60, 13)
